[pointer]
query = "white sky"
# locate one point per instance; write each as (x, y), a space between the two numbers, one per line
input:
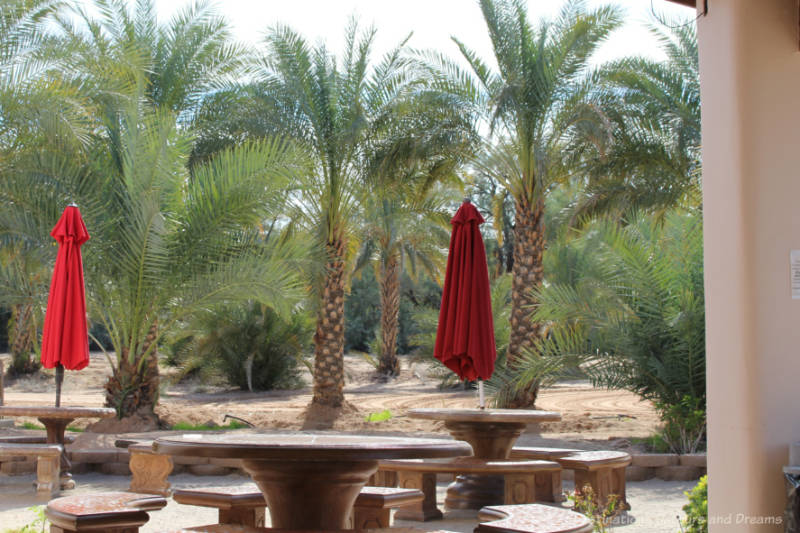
(432, 21)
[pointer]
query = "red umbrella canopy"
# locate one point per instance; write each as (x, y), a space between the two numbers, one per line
(465, 336)
(65, 338)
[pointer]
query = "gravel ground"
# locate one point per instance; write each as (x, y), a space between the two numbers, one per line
(655, 504)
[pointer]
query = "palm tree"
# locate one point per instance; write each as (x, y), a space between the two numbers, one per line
(184, 60)
(538, 108)
(411, 158)
(329, 106)
(166, 243)
(633, 318)
(653, 163)
(37, 108)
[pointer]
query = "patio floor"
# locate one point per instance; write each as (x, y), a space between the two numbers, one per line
(656, 504)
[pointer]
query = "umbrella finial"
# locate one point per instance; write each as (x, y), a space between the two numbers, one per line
(72, 204)
(467, 199)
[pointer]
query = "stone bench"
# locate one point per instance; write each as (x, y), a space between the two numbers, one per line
(245, 504)
(32, 439)
(108, 512)
(525, 481)
(603, 471)
(48, 463)
(531, 518)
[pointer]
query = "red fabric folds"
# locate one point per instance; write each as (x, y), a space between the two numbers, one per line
(65, 337)
(465, 335)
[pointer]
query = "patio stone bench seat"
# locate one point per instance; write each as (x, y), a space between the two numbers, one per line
(603, 471)
(531, 518)
(107, 512)
(32, 439)
(525, 481)
(48, 463)
(245, 504)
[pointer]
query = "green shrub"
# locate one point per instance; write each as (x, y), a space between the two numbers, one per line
(697, 508)
(684, 429)
(632, 317)
(249, 345)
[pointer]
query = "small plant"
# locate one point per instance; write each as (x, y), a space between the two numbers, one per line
(379, 416)
(684, 428)
(39, 524)
(697, 508)
(585, 503)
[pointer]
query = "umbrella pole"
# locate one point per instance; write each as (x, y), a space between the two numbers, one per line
(481, 398)
(59, 380)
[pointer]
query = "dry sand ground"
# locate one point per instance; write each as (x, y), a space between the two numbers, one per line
(592, 418)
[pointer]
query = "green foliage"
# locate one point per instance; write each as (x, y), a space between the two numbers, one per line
(38, 525)
(188, 426)
(586, 504)
(379, 416)
(697, 508)
(249, 344)
(684, 428)
(653, 164)
(362, 313)
(632, 318)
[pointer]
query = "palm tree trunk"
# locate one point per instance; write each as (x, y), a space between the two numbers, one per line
(133, 387)
(21, 336)
(329, 336)
(390, 313)
(527, 274)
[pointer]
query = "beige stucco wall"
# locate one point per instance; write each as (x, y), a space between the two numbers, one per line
(750, 82)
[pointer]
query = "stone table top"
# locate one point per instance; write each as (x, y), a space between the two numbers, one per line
(56, 412)
(307, 446)
(515, 416)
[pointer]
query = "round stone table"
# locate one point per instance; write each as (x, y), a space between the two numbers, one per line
(55, 421)
(310, 481)
(491, 433)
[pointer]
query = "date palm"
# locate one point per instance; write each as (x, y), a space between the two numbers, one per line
(329, 105)
(411, 162)
(541, 118)
(38, 107)
(166, 243)
(653, 163)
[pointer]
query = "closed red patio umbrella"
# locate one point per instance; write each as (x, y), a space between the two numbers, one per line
(65, 339)
(465, 335)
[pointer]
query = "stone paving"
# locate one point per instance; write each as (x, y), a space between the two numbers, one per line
(656, 504)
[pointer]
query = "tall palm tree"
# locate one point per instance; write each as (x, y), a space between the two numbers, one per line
(411, 159)
(329, 105)
(653, 163)
(539, 112)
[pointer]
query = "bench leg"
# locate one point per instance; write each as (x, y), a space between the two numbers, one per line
(383, 478)
(518, 489)
(48, 475)
(604, 482)
(245, 516)
(426, 509)
(618, 487)
(149, 472)
(548, 487)
(370, 518)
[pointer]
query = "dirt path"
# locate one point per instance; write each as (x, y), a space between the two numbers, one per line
(589, 414)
